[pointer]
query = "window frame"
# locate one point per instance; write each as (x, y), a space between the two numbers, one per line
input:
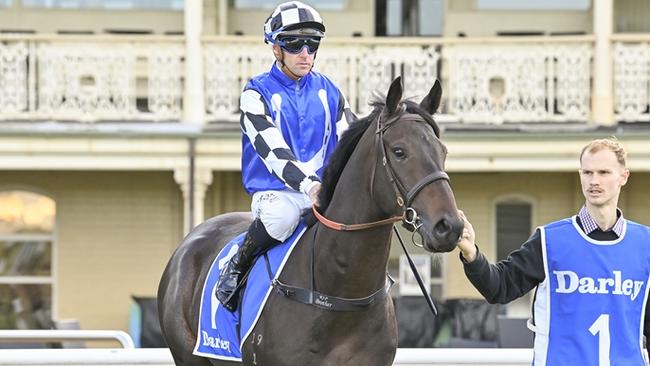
(319, 5)
(50, 280)
(514, 307)
(106, 5)
(516, 198)
(534, 5)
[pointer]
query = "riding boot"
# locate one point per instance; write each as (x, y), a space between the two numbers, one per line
(227, 289)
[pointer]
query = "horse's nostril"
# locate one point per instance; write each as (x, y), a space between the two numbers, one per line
(448, 230)
(442, 228)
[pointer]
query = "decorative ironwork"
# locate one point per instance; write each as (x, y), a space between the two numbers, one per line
(84, 80)
(523, 83)
(90, 81)
(141, 80)
(631, 81)
(13, 78)
(165, 89)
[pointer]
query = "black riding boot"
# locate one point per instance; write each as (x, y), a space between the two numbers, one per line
(227, 291)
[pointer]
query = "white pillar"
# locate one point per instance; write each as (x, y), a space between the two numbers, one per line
(193, 96)
(602, 99)
(193, 195)
(223, 17)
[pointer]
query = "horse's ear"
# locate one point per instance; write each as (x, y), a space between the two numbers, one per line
(394, 95)
(431, 102)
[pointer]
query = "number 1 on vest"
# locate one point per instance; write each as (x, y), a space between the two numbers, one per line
(601, 327)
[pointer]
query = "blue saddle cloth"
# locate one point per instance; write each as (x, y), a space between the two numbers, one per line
(221, 333)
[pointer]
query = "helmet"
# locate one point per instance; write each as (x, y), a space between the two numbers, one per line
(293, 18)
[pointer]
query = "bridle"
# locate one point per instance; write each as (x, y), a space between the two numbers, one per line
(409, 216)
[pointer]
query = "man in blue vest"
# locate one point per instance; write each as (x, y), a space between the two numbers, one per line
(291, 119)
(591, 272)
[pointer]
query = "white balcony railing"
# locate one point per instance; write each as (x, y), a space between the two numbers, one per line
(491, 80)
(91, 78)
(632, 77)
(533, 82)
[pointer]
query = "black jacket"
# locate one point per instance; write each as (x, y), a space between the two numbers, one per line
(522, 271)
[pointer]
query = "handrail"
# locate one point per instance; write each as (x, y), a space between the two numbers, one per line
(136, 356)
(45, 335)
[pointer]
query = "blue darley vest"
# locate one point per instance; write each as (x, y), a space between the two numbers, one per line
(589, 310)
(306, 112)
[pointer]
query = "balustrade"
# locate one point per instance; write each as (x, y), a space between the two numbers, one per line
(492, 81)
(632, 78)
(90, 80)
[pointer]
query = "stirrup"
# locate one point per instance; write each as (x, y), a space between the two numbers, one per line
(230, 303)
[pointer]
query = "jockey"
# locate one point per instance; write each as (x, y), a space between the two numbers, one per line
(291, 119)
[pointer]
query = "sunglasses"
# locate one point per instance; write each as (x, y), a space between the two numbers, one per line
(295, 44)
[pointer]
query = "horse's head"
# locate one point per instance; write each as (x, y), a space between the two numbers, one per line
(395, 153)
(410, 168)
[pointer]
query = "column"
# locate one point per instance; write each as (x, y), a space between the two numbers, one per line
(602, 99)
(193, 95)
(193, 195)
(223, 17)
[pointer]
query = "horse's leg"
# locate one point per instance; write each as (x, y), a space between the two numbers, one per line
(173, 303)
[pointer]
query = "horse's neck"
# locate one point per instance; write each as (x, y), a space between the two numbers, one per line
(353, 263)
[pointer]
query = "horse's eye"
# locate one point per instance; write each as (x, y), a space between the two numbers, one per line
(399, 152)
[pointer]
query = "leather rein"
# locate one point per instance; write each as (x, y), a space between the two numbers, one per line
(409, 214)
(409, 217)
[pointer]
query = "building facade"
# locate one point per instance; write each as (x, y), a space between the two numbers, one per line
(119, 128)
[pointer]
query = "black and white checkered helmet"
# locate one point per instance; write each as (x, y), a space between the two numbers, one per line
(293, 17)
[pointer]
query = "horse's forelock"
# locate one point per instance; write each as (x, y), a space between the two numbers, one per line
(414, 108)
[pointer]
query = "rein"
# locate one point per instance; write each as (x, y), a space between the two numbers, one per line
(327, 302)
(353, 227)
(409, 217)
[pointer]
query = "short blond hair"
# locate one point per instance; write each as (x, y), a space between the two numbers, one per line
(610, 143)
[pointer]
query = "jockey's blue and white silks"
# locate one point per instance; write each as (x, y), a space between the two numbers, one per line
(290, 129)
(221, 333)
(589, 310)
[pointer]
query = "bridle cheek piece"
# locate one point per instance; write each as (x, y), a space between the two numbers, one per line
(410, 218)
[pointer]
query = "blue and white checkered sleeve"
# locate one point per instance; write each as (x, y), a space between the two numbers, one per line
(257, 124)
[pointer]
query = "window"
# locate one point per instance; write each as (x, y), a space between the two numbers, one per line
(533, 4)
(107, 4)
(409, 17)
(5, 2)
(513, 228)
(26, 245)
(271, 4)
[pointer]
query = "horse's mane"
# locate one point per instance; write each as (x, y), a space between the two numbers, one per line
(342, 153)
(350, 139)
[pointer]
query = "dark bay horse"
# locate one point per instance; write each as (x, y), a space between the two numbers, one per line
(389, 164)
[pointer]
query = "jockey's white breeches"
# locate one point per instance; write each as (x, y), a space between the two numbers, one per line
(279, 211)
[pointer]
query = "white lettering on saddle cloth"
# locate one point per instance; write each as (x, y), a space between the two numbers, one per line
(215, 342)
(568, 282)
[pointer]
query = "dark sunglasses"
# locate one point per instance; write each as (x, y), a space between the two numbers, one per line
(295, 44)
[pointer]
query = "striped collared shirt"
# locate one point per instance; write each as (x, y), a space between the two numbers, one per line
(589, 225)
